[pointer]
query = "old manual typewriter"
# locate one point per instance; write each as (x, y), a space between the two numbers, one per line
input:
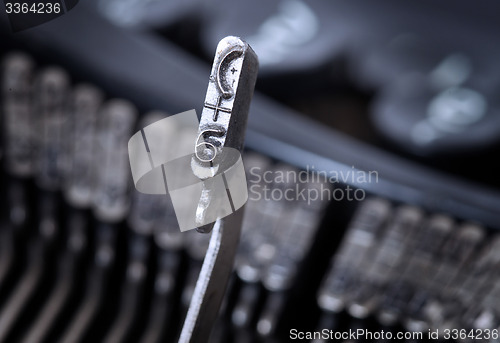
(370, 158)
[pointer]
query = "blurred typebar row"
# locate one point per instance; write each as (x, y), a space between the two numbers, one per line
(85, 257)
(412, 270)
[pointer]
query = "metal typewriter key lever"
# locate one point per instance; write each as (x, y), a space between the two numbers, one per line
(222, 125)
(224, 118)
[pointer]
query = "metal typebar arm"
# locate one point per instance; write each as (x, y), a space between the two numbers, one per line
(224, 119)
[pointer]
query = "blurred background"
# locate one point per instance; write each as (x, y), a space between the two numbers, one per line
(388, 111)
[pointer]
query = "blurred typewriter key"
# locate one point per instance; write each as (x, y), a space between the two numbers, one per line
(419, 270)
(18, 114)
(475, 281)
(297, 231)
(356, 248)
(457, 249)
(52, 106)
(486, 262)
(456, 254)
(387, 263)
(292, 236)
(111, 201)
(81, 140)
(483, 313)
